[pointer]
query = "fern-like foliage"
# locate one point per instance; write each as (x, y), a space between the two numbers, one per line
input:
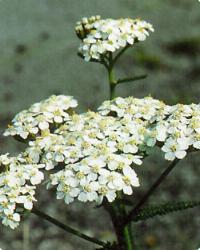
(164, 209)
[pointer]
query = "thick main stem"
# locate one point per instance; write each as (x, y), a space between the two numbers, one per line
(124, 241)
(113, 212)
(125, 231)
(66, 228)
(134, 212)
(112, 81)
(26, 236)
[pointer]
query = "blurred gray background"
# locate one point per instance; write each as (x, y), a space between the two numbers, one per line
(39, 58)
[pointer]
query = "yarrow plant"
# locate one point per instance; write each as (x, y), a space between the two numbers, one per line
(94, 156)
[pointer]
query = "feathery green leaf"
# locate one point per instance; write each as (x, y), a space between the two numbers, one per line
(164, 209)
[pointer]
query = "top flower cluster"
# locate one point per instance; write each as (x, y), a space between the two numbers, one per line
(101, 36)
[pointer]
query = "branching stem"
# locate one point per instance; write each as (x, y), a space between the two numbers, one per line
(66, 228)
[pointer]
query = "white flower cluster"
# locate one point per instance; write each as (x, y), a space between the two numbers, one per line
(101, 36)
(96, 160)
(97, 163)
(42, 116)
(176, 129)
(18, 178)
(93, 155)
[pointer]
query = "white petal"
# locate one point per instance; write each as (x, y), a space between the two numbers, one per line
(169, 156)
(82, 197)
(16, 217)
(43, 125)
(127, 190)
(28, 205)
(180, 154)
(111, 195)
(58, 119)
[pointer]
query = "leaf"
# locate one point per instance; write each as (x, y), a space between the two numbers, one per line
(164, 209)
(131, 79)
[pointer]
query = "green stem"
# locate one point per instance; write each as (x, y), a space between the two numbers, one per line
(128, 238)
(127, 230)
(112, 82)
(66, 228)
(124, 240)
(111, 77)
(112, 91)
(113, 212)
(26, 235)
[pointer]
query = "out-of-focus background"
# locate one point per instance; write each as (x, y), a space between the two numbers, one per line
(38, 58)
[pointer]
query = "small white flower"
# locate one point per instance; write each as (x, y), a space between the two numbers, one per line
(130, 179)
(36, 177)
(174, 150)
(12, 220)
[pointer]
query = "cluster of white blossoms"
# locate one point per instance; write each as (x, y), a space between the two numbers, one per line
(176, 129)
(97, 160)
(96, 154)
(42, 116)
(92, 156)
(101, 36)
(18, 178)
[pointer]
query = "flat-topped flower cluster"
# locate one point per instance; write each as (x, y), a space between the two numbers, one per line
(101, 36)
(176, 129)
(90, 156)
(42, 116)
